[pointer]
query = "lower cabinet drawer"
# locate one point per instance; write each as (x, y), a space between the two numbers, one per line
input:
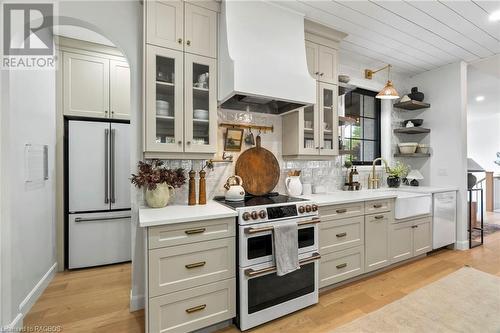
(339, 266)
(192, 309)
(336, 212)
(190, 232)
(185, 266)
(378, 206)
(336, 235)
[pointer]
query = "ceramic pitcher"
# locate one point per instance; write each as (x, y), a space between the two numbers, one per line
(159, 197)
(293, 185)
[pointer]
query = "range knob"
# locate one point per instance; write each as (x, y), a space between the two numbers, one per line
(246, 216)
(308, 208)
(262, 214)
(301, 209)
(254, 215)
(314, 207)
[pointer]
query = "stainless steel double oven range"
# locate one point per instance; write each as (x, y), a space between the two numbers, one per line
(262, 294)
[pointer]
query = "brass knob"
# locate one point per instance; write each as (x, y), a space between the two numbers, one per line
(189, 142)
(301, 209)
(254, 215)
(179, 41)
(308, 208)
(179, 142)
(188, 43)
(246, 216)
(314, 208)
(317, 73)
(262, 214)
(321, 74)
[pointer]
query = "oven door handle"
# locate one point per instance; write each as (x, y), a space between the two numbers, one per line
(253, 273)
(250, 231)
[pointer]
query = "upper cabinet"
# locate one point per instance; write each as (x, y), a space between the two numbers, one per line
(95, 81)
(322, 62)
(182, 26)
(165, 23)
(180, 79)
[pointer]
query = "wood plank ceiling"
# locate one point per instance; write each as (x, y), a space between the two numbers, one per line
(414, 36)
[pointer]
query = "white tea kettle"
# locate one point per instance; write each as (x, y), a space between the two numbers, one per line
(234, 189)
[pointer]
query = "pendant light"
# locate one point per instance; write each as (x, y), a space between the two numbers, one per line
(388, 92)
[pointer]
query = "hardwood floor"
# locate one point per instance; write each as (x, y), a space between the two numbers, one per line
(96, 300)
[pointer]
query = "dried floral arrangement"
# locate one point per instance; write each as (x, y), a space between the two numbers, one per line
(151, 173)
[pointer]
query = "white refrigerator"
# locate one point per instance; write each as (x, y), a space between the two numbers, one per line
(98, 195)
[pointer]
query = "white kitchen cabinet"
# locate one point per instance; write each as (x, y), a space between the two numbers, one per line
(422, 237)
(165, 23)
(200, 106)
(179, 25)
(322, 62)
(328, 119)
(86, 85)
(410, 238)
(164, 100)
(181, 102)
(200, 30)
(119, 89)
(327, 64)
(312, 131)
(377, 241)
(95, 86)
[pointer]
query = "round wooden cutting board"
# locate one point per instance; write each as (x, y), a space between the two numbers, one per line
(259, 169)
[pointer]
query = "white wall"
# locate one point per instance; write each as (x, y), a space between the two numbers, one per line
(445, 89)
(28, 209)
(483, 140)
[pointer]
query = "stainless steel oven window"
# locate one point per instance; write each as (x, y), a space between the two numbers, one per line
(269, 290)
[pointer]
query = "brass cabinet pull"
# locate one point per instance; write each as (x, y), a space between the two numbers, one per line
(377, 206)
(341, 265)
(179, 41)
(379, 217)
(196, 264)
(414, 226)
(188, 43)
(196, 308)
(343, 234)
(341, 211)
(195, 231)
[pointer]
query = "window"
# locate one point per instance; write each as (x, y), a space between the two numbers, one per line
(363, 137)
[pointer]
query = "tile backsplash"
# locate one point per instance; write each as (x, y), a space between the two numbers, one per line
(329, 173)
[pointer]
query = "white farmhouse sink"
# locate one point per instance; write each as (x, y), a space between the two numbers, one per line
(412, 204)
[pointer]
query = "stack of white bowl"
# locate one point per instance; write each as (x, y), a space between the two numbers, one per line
(162, 108)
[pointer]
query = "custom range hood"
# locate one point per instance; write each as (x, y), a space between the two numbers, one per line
(262, 58)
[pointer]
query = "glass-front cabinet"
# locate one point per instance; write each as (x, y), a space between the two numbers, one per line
(313, 130)
(181, 102)
(328, 127)
(200, 104)
(164, 100)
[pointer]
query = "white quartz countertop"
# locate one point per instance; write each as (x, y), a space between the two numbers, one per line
(343, 197)
(172, 214)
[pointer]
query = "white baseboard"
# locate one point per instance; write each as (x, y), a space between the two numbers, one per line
(31, 298)
(136, 302)
(462, 245)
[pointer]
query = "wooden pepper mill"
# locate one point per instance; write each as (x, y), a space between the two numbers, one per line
(192, 188)
(202, 195)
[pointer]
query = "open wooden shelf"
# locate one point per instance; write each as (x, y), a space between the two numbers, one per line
(412, 155)
(412, 105)
(412, 130)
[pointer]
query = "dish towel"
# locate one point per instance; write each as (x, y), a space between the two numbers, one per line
(286, 247)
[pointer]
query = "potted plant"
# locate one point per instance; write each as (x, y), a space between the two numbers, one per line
(400, 170)
(158, 181)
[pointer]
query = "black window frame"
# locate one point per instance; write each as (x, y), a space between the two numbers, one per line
(377, 118)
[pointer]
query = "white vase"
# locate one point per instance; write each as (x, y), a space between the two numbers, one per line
(159, 197)
(293, 185)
